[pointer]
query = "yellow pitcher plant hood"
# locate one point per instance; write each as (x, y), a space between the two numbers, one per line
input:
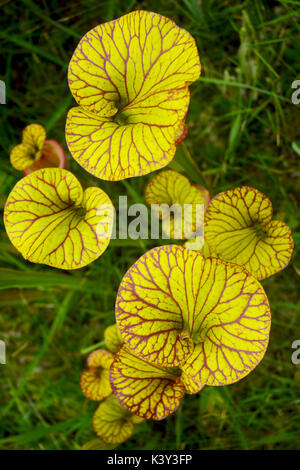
(35, 152)
(148, 390)
(94, 381)
(239, 228)
(208, 317)
(168, 188)
(51, 220)
(130, 79)
(113, 423)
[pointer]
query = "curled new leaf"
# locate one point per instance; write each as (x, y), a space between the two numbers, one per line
(35, 152)
(94, 381)
(130, 78)
(147, 390)
(51, 220)
(239, 228)
(209, 317)
(112, 422)
(170, 191)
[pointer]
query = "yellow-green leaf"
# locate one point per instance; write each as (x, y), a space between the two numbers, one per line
(51, 220)
(112, 422)
(147, 390)
(239, 228)
(130, 77)
(170, 188)
(207, 316)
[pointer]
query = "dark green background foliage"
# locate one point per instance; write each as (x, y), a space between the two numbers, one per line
(243, 129)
